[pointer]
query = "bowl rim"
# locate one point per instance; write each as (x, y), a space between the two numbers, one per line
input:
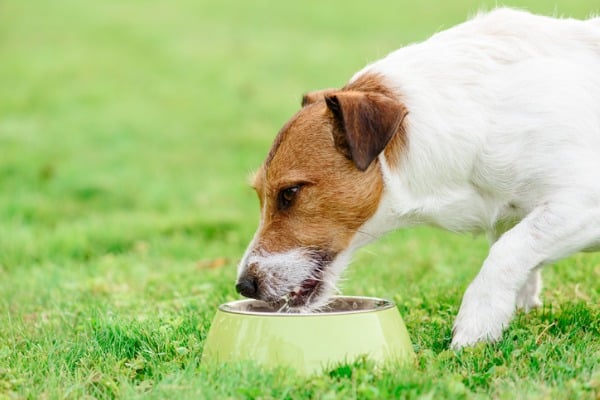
(384, 304)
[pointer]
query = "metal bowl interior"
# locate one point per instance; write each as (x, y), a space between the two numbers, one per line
(338, 305)
(350, 328)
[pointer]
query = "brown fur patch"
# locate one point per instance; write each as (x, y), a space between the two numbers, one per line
(335, 197)
(313, 97)
(370, 83)
(375, 83)
(366, 122)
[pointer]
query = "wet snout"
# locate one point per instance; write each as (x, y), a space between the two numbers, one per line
(247, 286)
(293, 277)
(250, 279)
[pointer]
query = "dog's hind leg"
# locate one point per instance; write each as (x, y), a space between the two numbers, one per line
(528, 297)
(548, 233)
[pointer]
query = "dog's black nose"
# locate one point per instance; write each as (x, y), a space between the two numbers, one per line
(247, 286)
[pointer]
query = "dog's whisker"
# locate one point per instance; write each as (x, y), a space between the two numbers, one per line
(370, 251)
(366, 234)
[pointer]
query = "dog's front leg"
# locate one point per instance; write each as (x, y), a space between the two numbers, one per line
(548, 233)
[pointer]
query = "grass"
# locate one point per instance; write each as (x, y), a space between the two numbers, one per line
(127, 130)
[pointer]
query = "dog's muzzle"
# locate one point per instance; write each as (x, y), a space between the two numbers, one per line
(295, 277)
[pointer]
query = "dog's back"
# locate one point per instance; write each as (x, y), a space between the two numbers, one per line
(504, 108)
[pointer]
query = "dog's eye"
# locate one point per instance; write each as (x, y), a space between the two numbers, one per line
(286, 197)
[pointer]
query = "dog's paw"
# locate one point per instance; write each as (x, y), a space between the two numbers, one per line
(483, 316)
(465, 334)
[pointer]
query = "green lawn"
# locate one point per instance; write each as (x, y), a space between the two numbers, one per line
(127, 131)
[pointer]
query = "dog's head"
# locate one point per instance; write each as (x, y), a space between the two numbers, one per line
(320, 183)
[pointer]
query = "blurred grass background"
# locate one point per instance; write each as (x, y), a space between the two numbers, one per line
(127, 131)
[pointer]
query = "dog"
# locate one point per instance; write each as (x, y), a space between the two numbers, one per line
(491, 126)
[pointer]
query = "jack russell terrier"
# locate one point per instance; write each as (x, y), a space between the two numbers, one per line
(491, 126)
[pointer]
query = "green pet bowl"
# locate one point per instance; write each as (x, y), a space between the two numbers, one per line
(350, 328)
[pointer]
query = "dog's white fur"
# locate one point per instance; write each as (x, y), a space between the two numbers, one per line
(503, 137)
(284, 271)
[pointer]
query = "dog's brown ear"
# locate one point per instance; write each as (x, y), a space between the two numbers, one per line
(313, 97)
(365, 123)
